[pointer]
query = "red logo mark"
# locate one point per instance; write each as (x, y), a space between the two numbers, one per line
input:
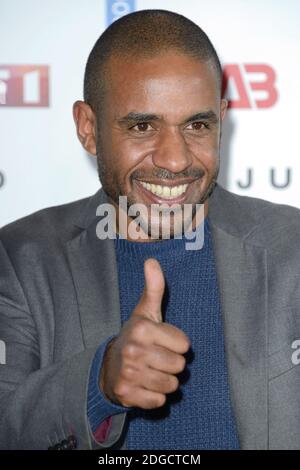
(24, 85)
(249, 92)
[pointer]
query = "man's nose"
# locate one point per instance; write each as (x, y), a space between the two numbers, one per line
(172, 152)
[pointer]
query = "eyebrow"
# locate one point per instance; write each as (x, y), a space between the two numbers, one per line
(147, 117)
(133, 117)
(204, 116)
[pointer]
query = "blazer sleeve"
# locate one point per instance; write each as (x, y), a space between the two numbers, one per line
(40, 408)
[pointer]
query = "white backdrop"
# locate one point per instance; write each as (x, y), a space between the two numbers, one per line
(43, 49)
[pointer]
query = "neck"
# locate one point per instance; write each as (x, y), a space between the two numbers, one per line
(126, 225)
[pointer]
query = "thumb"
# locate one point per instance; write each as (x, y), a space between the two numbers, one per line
(150, 303)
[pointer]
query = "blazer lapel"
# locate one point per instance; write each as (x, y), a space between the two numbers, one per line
(95, 275)
(242, 278)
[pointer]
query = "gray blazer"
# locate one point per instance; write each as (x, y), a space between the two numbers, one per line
(59, 300)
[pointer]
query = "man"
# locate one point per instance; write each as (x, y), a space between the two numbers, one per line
(140, 343)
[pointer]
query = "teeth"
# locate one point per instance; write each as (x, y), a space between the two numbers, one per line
(158, 189)
(165, 191)
(175, 191)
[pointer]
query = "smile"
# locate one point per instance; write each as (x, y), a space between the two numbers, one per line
(164, 191)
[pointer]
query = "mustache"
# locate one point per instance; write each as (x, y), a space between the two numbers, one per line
(162, 173)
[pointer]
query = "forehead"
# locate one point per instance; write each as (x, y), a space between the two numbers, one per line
(168, 83)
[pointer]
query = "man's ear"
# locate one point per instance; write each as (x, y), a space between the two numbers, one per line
(224, 106)
(85, 121)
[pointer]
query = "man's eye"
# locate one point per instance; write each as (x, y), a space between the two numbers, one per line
(197, 126)
(141, 127)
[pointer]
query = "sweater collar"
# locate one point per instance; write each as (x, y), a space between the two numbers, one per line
(169, 247)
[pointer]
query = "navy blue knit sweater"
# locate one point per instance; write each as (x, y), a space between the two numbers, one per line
(199, 414)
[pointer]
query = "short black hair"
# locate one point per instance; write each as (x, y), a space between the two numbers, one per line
(142, 34)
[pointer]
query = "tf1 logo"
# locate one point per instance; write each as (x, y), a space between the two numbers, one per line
(249, 86)
(24, 85)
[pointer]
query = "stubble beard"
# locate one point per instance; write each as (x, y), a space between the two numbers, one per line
(114, 190)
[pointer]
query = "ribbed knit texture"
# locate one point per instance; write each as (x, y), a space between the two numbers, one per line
(199, 414)
(98, 406)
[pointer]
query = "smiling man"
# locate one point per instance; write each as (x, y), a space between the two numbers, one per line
(120, 342)
(147, 150)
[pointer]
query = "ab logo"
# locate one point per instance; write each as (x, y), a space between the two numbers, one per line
(250, 86)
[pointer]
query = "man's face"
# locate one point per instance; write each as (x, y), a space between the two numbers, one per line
(159, 135)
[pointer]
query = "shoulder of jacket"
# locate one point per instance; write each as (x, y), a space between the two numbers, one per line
(52, 223)
(272, 223)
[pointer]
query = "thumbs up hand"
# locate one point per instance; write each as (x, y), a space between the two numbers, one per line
(150, 303)
(141, 363)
